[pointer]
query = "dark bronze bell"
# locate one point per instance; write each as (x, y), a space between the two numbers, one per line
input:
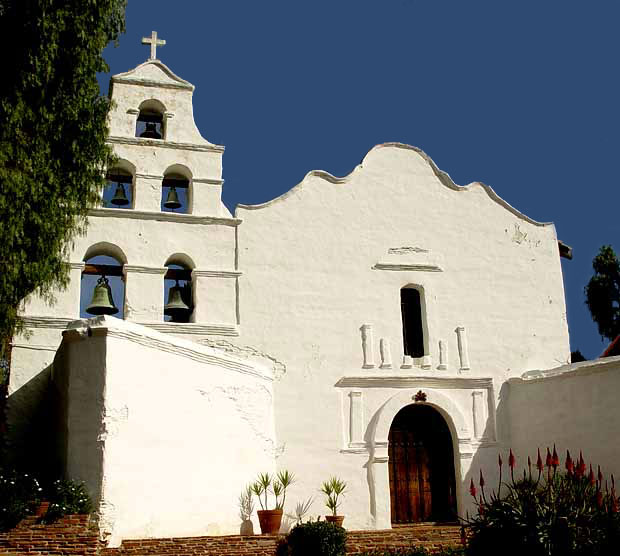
(150, 132)
(176, 307)
(172, 200)
(102, 302)
(120, 198)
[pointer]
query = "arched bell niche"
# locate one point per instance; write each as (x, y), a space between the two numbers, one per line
(119, 189)
(178, 289)
(102, 290)
(176, 194)
(150, 123)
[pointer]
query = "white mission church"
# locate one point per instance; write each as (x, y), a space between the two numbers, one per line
(388, 327)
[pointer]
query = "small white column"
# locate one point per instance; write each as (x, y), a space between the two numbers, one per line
(356, 419)
(427, 362)
(407, 362)
(463, 352)
(443, 355)
(386, 354)
(367, 346)
(478, 413)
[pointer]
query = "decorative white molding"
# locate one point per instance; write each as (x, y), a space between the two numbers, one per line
(144, 269)
(216, 273)
(386, 354)
(164, 216)
(478, 412)
(133, 111)
(59, 323)
(189, 328)
(421, 267)
(434, 381)
(193, 328)
(367, 346)
(407, 362)
(99, 327)
(443, 355)
(463, 349)
(356, 419)
(427, 362)
(209, 181)
(77, 266)
(444, 179)
(142, 142)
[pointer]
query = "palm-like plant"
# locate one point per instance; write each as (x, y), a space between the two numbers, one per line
(333, 489)
(278, 484)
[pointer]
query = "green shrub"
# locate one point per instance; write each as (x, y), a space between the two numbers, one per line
(21, 493)
(547, 513)
(66, 497)
(315, 538)
(19, 496)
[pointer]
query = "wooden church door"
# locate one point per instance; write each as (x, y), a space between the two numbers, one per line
(421, 467)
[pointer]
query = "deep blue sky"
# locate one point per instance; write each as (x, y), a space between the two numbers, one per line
(522, 96)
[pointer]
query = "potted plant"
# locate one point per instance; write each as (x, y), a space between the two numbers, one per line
(246, 508)
(270, 520)
(333, 489)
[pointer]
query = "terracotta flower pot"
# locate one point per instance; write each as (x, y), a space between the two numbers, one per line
(337, 519)
(42, 509)
(270, 521)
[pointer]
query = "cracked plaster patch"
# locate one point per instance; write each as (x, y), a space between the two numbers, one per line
(248, 352)
(251, 405)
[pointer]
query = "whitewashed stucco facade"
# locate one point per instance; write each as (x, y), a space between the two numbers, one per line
(293, 358)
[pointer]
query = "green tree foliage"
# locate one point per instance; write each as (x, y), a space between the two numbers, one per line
(53, 127)
(603, 293)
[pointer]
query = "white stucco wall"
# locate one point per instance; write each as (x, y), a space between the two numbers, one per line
(573, 407)
(166, 432)
(332, 254)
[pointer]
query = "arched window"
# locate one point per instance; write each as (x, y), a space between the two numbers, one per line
(411, 306)
(178, 292)
(118, 192)
(103, 284)
(150, 122)
(176, 190)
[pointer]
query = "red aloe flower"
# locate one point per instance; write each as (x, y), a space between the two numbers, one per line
(472, 489)
(481, 480)
(548, 460)
(599, 498)
(613, 483)
(569, 463)
(600, 475)
(591, 477)
(481, 507)
(539, 463)
(614, 503)
(555, 460)
(581, 468)
(511, 460)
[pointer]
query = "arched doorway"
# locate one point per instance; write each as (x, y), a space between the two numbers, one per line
(421, 466)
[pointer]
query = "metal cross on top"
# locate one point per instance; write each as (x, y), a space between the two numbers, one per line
(154, 42)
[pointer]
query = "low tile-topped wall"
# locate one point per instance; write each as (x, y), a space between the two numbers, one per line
(73, 534)
(77, 534)
(429, 536)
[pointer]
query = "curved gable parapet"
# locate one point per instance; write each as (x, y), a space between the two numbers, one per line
(442, 176)
(152, 72)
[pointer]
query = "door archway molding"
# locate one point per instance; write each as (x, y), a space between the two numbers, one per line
(377, 436)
